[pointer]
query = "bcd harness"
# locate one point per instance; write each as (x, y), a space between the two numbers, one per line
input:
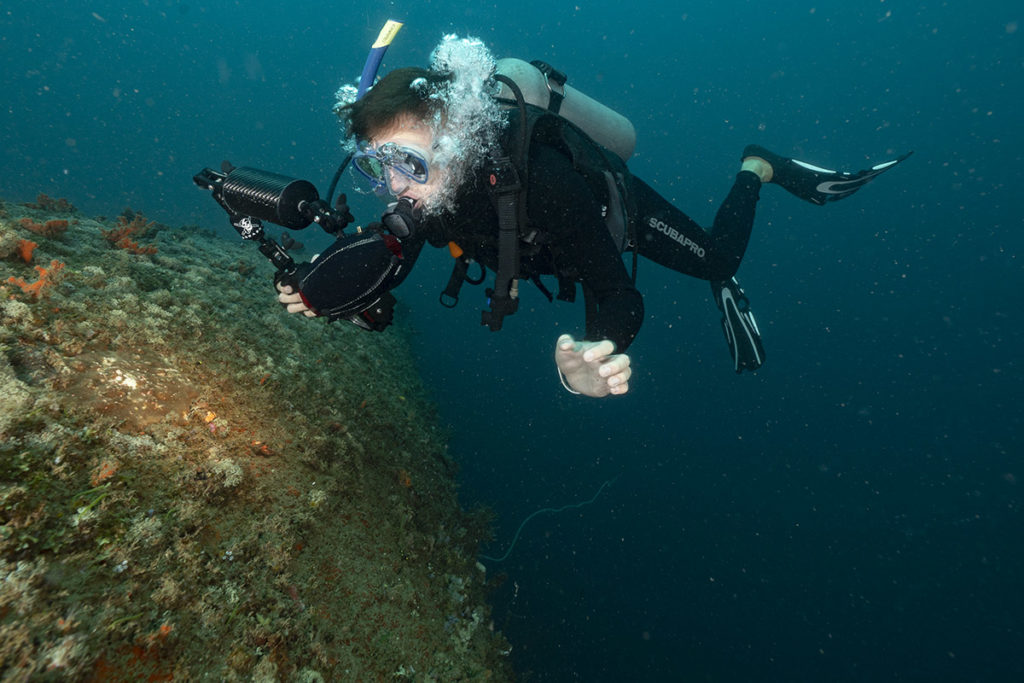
(506, 176)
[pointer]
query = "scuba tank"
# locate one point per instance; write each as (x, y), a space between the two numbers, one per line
(545, 87)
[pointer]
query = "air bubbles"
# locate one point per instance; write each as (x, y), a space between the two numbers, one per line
(346, 95)
(469, 120)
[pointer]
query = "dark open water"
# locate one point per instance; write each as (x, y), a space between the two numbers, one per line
(850, 513)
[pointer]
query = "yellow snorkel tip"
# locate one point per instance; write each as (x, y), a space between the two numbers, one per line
(373, 60)
(388, 33)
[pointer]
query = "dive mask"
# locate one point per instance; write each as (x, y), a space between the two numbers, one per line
(391, 167)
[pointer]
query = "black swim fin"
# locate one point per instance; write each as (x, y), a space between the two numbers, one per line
(812, 183)
(741, 332)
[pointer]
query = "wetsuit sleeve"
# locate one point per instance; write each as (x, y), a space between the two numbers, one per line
(563, 205)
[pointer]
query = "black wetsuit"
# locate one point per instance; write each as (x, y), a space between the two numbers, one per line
(576, 241)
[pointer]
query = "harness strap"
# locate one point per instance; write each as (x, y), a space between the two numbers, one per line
(504, 297)
(508, 191)
(543, 290)
(555, 80)
(450, 296)
(566, 287)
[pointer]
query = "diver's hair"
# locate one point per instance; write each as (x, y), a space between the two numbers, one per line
(400, 94)
(454, 98)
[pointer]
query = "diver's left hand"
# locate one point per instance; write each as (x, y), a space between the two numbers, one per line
(591, 368)
(290, 298)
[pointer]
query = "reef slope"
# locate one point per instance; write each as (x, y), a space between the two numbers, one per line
(195, 485)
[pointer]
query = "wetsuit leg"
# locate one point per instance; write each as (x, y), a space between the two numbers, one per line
(670, 238)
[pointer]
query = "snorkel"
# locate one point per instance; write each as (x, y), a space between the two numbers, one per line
(370, 69)
(373, 60)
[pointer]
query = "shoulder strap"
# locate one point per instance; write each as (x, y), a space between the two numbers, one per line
(507, 178)
(555, 80)
(506, 189)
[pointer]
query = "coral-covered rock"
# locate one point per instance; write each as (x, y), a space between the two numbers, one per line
(195, 485)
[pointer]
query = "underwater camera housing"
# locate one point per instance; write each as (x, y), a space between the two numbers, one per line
(251, 196)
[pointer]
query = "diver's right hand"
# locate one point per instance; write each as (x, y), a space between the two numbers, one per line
(292, 301)
(592, 368)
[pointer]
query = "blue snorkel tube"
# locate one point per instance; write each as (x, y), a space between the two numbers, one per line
(373, 60)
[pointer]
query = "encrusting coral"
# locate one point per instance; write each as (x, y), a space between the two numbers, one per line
(54, 227)
(127, 227)
(25, 249)
(48, 277)
(49, 204)
(194, 485)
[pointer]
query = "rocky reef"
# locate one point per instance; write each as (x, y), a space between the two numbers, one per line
(196, 485)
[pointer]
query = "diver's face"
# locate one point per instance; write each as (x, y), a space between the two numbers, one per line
(416, 136)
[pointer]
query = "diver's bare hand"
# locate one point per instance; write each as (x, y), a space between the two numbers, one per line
(592, 368)
(292, 301)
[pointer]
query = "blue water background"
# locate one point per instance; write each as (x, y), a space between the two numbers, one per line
(850, 513)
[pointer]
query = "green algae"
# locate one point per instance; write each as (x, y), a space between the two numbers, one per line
(195, 485)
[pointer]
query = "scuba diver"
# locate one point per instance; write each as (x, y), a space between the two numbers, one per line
(472, 162)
